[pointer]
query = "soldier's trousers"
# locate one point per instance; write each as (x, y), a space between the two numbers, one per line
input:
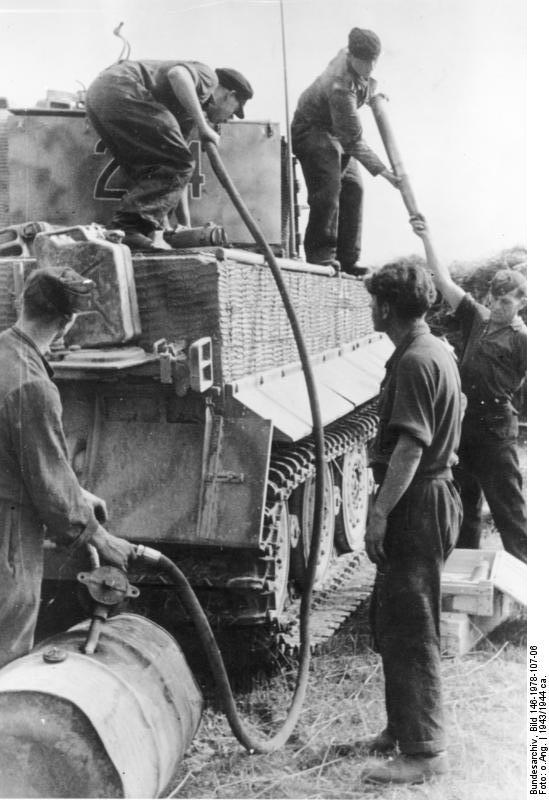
(335, 197)
(146, 142)
(488, 462)
(405, 611)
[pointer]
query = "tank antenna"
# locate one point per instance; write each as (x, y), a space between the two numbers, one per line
(289, 153)
(126, 47)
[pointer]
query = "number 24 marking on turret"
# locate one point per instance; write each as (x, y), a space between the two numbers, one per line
(102, 190)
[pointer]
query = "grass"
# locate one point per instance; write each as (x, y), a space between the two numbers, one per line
(484, 701)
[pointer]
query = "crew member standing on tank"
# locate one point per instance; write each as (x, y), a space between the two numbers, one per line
(38, 487)
(327, 139)
(145, 113)
(493, 367)
(414, 522)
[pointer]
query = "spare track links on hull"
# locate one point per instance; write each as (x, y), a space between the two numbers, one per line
(350, 576)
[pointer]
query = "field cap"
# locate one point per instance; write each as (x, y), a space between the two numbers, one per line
(58, 290)
(236, 82)
(364, 44)
(507, 280)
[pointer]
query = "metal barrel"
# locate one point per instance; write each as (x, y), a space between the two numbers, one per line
(112, 724)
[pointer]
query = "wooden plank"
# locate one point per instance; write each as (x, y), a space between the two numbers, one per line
(509, 576)
(502, 611)
(462, 562)
(466, 582)
(460, 632)
(457, 634)
(472, 578)
(481, 604)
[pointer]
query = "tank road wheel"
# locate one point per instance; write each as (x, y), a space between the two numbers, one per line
(304, 505)
(280, 569)
(356, 485)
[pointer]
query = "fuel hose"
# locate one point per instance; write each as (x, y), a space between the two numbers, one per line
(253, 741)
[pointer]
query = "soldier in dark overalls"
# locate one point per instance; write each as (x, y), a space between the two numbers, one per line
(38, 488)
(493, 367)
(327, 139)
(145, 113)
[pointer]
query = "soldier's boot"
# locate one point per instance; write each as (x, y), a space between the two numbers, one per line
(140, 242)
(406, 768)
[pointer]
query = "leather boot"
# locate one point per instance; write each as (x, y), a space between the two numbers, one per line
(406, 769)
(141, 243)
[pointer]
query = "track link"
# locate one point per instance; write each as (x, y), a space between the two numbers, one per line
(347, 584)
(350, 577)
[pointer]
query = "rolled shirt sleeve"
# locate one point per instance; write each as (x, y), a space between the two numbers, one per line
(48, 478)
(414, 402)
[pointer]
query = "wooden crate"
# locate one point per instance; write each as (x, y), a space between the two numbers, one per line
(472, 579)
(457, 634)
(460, 632)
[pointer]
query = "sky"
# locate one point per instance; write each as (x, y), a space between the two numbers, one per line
(454, 72)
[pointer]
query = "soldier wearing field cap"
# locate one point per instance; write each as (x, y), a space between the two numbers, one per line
(38, 488)
(327, 139)
(146, 112)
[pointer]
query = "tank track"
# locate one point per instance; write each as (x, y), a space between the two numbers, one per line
(350, 577)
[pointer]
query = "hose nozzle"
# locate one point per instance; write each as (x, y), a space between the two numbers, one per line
(148, 554)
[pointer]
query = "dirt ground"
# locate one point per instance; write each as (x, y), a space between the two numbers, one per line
(345, 703)
(484, 705)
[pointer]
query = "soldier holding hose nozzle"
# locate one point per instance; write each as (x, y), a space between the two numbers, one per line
(38, 486)
(328, 141)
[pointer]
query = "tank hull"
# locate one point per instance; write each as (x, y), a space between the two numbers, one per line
(181, 430)
(190, 415)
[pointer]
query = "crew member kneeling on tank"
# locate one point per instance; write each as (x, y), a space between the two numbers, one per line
(146, 112)
(327, 139)
(38, 487)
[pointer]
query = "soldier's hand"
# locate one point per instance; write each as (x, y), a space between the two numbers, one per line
(419, 225)
(375, 536)
(393, 179)
(208, 134)
(113, 549)
(97, 505)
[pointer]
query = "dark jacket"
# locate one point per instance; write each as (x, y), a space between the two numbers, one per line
(331, 104)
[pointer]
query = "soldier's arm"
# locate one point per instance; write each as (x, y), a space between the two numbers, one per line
(348, 130)
(400, 472)
(452, 293)
(184, 89)
(49, 479)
